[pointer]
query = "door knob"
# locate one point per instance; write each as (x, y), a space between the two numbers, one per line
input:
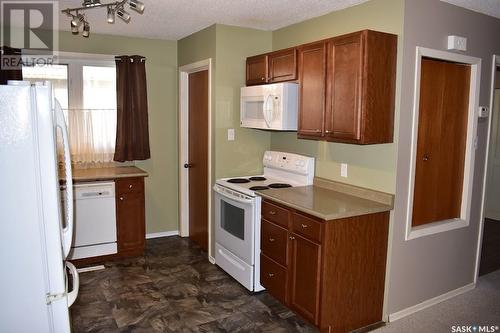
(187, 165)
(426, 157)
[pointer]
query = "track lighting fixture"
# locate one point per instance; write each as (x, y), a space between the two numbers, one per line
(121, 13)
(86, 30)
(113, 8)
(111, 15)
(136, 5)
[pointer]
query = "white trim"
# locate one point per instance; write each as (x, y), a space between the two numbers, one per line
(475, 76)
(184, 72)
(495, 63)
(162, 234)
(430, 302)
(90, 269)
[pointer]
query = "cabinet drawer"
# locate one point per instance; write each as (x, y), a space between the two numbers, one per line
(273, 243)
(275, 214)
(130, 185)
(273, 277)
(307, 227)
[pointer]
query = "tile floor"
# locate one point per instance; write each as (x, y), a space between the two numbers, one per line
(173, 288)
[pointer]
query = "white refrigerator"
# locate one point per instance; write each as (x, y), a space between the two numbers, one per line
(36, 228)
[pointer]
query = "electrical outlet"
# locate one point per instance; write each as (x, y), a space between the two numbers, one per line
(343, 170)
(230, 134)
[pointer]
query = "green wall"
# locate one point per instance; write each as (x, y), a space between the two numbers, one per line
(243, 156)
(371, 166)
(161, 66)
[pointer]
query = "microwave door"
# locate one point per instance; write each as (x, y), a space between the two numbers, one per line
(267, 111)
(252, 111)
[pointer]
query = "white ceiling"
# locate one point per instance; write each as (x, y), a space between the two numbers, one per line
(175, 19)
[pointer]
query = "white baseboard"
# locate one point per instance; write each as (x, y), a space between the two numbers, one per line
(211, 259)
(430, 302)
(162, 234)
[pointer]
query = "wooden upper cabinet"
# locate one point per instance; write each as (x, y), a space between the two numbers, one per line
(361, 76)
(282, 65)
(343, 88)
(312, 76)
(257, 68)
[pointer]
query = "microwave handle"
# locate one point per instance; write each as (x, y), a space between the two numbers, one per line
(268, 110)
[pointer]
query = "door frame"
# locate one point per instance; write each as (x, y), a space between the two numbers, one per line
(184, 72)
(465, 211)
(494, 63)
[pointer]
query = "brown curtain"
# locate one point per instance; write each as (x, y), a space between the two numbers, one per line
(10, 57)
(132, 134)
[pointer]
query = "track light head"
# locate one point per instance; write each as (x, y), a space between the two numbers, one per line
(74, 28)
(111, 15)
(124, 15)
(77, 20)
(86, 30)
(136, 5)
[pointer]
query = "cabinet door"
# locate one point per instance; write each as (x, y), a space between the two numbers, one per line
(312, 72)
(257, 70)
(283, 65)
(305, 275)
(130, 222)
(343, 106)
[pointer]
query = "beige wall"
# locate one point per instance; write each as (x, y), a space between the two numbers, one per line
(429, 266)
(161, 66)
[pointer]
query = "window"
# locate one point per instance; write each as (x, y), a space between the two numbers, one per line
(86, 90)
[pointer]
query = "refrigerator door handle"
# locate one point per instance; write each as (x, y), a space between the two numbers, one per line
(76, 283)
(67, 231)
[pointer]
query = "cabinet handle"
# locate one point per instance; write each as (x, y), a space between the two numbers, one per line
(130, 186)
(304, 225)
(272, 212)
(318, 131)
(271, 274)
(121, 198)
(271, 239)
(328, 131)
(262, 78)
(292, 238)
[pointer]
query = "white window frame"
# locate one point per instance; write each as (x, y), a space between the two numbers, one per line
(465, 211)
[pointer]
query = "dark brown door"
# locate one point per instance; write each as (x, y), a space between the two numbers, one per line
(198, 158)
(442, 133)
(305, 275)
(283, 65)
(257, 70)
(312, 72)
(344, 87)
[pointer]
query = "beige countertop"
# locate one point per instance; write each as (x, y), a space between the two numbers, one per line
(330, 200)
(83, 175)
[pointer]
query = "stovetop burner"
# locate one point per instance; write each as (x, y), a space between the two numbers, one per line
(238, 180)
(279, 185)
(257, 188)
(257, 178)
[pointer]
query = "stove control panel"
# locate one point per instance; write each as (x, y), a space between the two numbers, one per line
(298, 164)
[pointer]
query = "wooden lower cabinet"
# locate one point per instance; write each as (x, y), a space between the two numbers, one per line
(332, 273)
(130, 216)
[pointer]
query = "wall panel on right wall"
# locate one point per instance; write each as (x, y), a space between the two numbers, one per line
(429, 266)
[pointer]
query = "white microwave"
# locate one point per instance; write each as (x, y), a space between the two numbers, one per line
(271, 106)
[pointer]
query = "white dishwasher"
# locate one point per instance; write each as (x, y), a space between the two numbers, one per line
(95, 220)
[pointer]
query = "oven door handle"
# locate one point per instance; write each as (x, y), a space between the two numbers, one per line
(228, 195)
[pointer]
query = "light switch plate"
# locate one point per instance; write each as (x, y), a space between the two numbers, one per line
(343, 170)
(230, 134)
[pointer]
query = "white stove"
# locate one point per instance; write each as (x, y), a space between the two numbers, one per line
(237, 213)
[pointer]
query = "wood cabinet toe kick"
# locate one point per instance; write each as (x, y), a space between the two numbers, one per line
(332, 273)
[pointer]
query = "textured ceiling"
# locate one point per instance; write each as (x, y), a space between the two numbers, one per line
(488, 7)
(175, 19)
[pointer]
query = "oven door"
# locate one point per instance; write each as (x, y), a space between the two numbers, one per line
(234, 223)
